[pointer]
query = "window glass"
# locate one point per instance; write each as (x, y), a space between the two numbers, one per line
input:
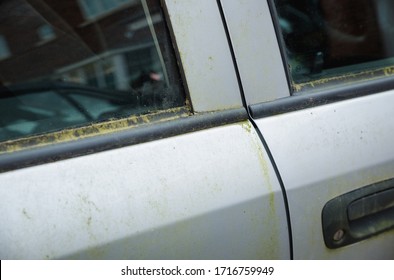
(94, 8)
(117, 66)
(46, 32)
(4, 50)
(332, 40)
(90, 7)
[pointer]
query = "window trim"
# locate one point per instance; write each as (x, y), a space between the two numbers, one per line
(313, 95)
(218, 106)
(191, 32)
(259, 60)
(318, 98)
(136, 130)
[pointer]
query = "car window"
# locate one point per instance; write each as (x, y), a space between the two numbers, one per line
(66, 64)
(331, 41)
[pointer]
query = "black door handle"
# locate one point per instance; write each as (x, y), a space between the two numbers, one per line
(371, 204)
(359, 214)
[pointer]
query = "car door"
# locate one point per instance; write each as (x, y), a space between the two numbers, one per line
(326, 116)
(148, 152)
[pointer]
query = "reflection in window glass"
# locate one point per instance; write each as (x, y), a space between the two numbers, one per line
(4, 50)
(88, 71)
(46, 32)
(29, 113)
(94, 8)
(90, 7)
(327, 38)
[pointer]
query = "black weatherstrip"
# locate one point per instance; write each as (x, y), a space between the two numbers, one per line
(308, 100)
(286, 204)
(144, 133)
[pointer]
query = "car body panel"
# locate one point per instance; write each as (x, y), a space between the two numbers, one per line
(211, 194)
(256, 50)
(217, 190)
(327, 151)
(320, 151)
(205, 54)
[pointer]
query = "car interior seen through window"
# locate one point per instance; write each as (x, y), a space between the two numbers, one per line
(66, 64)
(336, 40)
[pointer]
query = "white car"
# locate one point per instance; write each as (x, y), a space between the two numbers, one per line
(196, 129)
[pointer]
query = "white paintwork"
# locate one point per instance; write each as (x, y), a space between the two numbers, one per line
(329, 150)
(256, 49)
(205, 54)
(205, 195)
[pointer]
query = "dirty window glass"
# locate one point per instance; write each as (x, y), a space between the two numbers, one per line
(65, 64)
(332, 40)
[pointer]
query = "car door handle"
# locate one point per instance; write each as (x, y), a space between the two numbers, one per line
(359, 214)
(371, 204)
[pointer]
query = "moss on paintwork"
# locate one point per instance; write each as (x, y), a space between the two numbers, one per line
(95, 129)
(266, 172)
(247, 126)
(346, 78)
(270, 245)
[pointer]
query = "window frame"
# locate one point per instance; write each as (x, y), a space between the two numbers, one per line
(98, 64)
(312, 95)
(213, 105)
(256, 50)
(350, 80)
